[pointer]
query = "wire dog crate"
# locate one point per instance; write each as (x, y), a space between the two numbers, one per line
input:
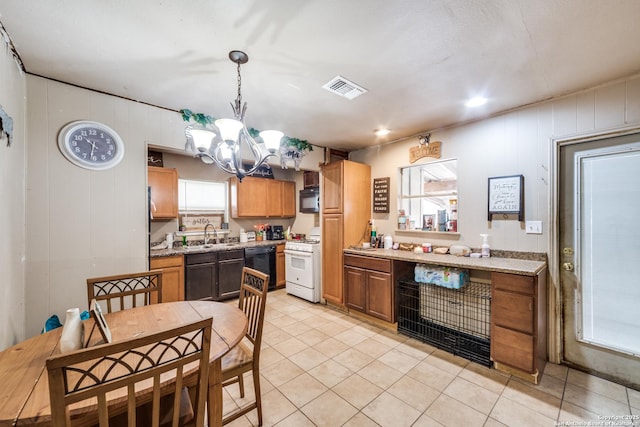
(455, 320)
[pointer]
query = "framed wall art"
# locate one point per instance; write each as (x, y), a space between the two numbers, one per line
(506, 196)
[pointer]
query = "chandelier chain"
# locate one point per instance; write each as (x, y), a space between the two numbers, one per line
(239, 99)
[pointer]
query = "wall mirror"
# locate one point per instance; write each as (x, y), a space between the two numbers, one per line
(429, 197)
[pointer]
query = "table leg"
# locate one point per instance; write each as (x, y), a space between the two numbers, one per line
(214, 401)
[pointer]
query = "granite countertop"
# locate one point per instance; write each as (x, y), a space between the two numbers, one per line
(505, 265)
(218, 247)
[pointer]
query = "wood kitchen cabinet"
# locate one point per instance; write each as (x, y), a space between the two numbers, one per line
(288, 199)
(164, 192)
(346, 209)
(311, 179)
(213, 275)
(230, 265)
(369, 285)
(172, 276)
(518, 324)
(261, 198)
(281, 280)
(332, 258)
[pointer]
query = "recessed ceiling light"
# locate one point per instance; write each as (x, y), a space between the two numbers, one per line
(476, 101)
(382, 132)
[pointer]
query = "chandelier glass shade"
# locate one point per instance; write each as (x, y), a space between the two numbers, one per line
(225, 141)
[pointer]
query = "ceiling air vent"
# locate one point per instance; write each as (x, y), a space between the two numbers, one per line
(343, 87)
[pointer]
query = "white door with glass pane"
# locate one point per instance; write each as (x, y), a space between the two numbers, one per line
(599, 209)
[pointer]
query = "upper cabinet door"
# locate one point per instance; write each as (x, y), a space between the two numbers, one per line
(288, 199)
(332, 188)
(164, 192)
(261, 198)
(249, 197)
(274, 198)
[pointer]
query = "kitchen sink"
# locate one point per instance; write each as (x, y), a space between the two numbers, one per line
(210, 246)
(198, 247)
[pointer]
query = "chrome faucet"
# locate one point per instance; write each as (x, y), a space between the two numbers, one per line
(215, 233)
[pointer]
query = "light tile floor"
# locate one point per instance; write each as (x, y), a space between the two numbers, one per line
(322, 367)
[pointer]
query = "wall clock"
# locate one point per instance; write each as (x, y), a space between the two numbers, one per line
(91, 145)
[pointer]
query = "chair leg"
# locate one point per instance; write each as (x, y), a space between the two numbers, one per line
(256, 388)
(241, 384)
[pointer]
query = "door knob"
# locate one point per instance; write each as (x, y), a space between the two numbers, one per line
(567, 251)
(567, 266)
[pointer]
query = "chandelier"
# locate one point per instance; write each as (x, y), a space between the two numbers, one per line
(223, 144)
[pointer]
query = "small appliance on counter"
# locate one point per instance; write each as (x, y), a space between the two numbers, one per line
(278, 232)
(274, 232)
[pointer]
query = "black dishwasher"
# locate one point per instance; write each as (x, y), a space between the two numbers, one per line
(262, 258)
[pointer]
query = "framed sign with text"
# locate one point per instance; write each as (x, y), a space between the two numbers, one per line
(506, 196)
(381, 195)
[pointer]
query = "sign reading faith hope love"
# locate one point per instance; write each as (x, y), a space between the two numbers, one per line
(381, 195)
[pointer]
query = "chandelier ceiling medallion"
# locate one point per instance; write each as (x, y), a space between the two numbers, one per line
(221, 141)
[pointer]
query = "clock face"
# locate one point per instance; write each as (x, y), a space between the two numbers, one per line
(91, 145)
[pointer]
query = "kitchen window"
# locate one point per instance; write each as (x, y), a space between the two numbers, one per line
(202, 196)
(429, 197)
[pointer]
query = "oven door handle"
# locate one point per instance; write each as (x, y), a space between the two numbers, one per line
(298, 253)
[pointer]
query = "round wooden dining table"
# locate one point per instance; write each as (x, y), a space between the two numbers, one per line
(24, 399)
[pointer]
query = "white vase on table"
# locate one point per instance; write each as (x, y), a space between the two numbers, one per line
(71, 338)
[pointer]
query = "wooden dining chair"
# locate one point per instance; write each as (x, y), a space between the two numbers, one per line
(245, 357)
(115, 374)
(126, 290)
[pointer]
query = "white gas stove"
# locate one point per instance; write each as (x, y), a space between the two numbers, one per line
(302, 260)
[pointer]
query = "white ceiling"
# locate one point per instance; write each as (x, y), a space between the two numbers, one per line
(419, 59)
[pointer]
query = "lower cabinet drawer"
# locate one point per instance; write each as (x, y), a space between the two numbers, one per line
(368, 263)
(512, 348)
(513, 282)
(513, 311)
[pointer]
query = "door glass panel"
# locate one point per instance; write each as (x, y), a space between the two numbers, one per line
(608, 204)
(297, 262)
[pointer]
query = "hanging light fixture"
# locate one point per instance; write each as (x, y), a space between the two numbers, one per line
(223, 144)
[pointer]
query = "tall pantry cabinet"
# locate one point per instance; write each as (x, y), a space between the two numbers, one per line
(346, 209)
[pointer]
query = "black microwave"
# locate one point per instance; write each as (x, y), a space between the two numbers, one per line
(310, 200)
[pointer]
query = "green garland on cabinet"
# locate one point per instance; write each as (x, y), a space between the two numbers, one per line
(205, 119)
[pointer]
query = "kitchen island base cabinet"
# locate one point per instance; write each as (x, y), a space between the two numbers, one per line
(518, 324)
(172, 276)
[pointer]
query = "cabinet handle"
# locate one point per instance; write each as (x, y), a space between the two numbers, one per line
(530, 306)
